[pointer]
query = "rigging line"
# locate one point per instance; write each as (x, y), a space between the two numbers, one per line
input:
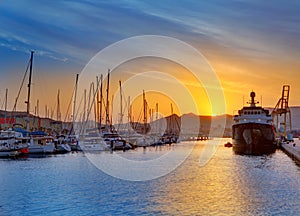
(92, 88)
(79, 105)
(22, 83)
(2, 103)
(69, 105)
(138, 119)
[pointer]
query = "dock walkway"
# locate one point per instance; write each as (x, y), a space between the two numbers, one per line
(292, 149)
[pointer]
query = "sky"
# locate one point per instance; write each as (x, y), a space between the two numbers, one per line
(249, 45)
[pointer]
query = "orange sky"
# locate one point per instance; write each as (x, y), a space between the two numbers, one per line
(238, 76)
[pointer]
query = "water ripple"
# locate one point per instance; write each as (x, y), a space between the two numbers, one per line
(228, 185)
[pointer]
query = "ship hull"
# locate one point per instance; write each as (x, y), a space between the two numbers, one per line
(253, 139)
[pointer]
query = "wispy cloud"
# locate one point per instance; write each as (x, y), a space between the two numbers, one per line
(78, 29)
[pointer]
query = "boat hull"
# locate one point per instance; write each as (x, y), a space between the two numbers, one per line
(253, 139)
(62, 148)
(36, 149)
(9, 153)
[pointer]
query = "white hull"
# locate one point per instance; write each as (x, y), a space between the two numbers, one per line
(93, 145)
(41, 149)
(64, 148)
(9, 153)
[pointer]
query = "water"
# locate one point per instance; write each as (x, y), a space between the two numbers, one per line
(228, 185)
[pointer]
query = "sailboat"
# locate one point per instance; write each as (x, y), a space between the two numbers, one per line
(60, 141)
(171, 134)
(144, 128)
(90, 138)
(109, 133)
(39, 142)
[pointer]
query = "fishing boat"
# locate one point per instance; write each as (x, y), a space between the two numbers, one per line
(253, 132)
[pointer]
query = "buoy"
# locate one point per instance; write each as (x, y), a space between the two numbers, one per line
(228, 144)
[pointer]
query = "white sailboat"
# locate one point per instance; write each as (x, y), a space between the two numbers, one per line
(39, 142)
(92, 141)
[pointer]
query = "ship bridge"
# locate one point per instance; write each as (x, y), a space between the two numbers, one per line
(253, 113)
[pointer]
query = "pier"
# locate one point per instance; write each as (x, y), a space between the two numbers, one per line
(292, 149)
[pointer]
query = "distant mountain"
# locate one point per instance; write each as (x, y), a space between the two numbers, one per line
(194, 124)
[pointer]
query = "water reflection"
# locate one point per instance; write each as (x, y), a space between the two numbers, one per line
(228, 185)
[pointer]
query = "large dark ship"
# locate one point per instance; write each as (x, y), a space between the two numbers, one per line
(253, 132)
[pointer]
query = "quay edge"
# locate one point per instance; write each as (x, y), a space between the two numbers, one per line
(292, 149)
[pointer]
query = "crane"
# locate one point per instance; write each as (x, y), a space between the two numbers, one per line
(282, 114)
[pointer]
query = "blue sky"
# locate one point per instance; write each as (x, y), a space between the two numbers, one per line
(66, 34)
(75, 30)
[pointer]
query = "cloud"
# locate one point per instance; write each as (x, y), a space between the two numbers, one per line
(75, 30)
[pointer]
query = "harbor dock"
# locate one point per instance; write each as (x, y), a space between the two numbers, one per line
(292, 149)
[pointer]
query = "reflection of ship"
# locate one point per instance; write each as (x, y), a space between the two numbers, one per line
(253, 131)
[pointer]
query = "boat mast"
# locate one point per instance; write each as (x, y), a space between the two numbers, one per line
(37, 108)
(145, 111)
(101, 97)
(95, 101)
(156, 119)
(58, 115)
(110, 118)
(46, 110)
(171, 120)
(128, 117)
(28, 93)
(84, 113)
(107, 101)
(5, 108)
(74, 102)
(121, 107)
(97, 114)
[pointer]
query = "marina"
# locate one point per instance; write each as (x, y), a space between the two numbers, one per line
(137, 167)
(149, 108)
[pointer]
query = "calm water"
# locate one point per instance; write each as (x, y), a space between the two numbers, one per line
(228, 185)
